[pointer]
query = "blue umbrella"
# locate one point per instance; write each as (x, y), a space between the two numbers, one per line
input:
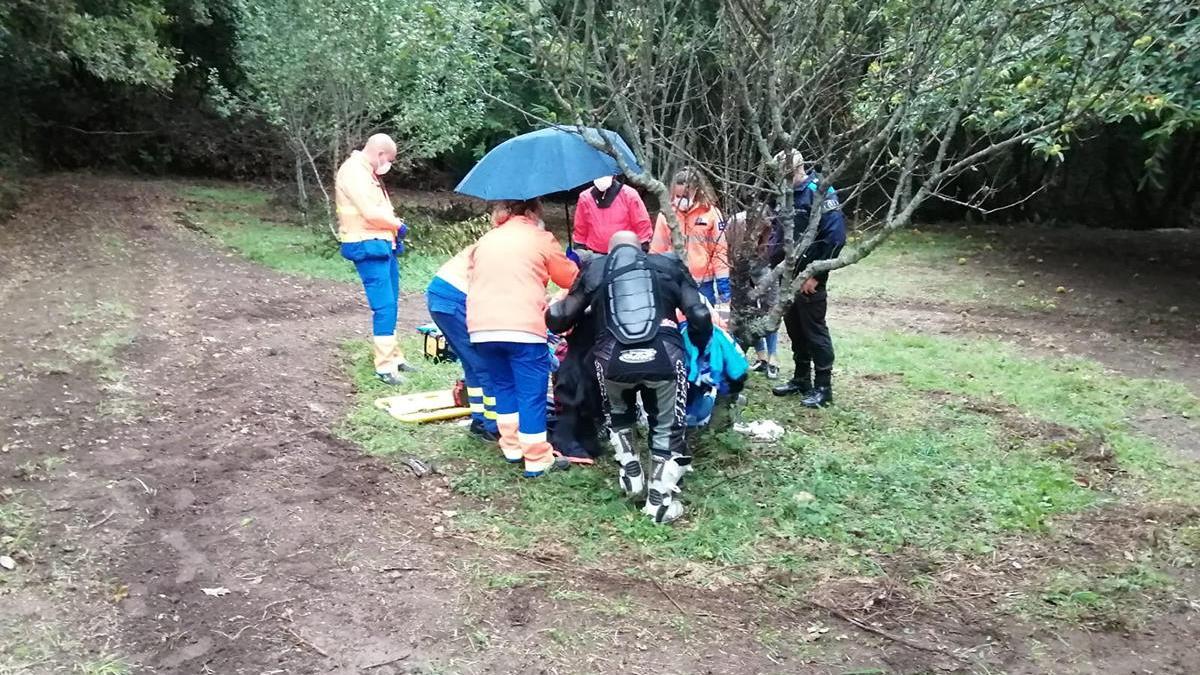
(541, 162)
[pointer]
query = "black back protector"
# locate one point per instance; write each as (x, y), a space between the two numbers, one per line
(630, 296)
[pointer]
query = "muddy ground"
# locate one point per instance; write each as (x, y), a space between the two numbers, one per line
(192, 395)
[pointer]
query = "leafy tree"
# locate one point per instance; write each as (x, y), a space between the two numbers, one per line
(328, 73)
(114, 40)
(896, 100)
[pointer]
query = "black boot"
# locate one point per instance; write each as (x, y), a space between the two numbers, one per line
(819, 397)
(822, 392)
(793, 387)
(478, 430)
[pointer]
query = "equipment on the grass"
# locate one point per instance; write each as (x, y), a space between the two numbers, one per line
(434, 345)
(426, 406)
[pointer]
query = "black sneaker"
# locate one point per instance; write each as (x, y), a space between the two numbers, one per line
(478, 430)
(772, 371)
(759, 366)
(819, 397)
(393, 379)
(792, 388)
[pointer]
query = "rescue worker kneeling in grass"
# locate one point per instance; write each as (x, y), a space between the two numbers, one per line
(639, 350)
(446, 297)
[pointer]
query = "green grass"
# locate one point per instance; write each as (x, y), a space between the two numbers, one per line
(244, 220)
(1112, 595)
(227, 196)
(16, 525)
(912, 458)
(1073, 392)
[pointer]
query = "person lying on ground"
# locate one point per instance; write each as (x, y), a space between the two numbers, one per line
(633, 297)
(371, 237)
(508, 270)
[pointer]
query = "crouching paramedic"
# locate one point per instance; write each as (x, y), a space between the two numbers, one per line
(370, 234)
(446, 296)
(508, 269)
(639, 350)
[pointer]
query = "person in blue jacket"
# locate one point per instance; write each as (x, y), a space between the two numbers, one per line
(812, 346)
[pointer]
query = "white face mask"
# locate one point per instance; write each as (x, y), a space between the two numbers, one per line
(683, 204)
(603, 183)
(383, 168)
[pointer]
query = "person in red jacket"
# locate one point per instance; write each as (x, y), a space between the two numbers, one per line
(605, 208)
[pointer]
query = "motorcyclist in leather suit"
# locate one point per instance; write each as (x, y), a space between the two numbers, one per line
(633, 296)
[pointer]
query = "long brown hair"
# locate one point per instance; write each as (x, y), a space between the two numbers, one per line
(504, 209)
(694, 180)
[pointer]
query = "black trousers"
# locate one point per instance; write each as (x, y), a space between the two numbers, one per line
(654, 372)
(812, 347)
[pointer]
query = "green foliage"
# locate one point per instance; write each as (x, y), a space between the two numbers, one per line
(117, 41)
(328, 72)
(432, 237)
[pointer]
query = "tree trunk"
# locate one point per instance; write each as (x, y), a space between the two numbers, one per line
(301, 192)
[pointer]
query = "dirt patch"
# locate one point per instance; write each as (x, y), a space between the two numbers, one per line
(1172, 431)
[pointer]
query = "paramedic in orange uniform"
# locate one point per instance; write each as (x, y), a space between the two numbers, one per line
(446, 297)
(509, 268)
(370, 234)
(703, 234)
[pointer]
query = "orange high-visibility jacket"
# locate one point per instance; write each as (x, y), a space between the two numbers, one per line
(509, 268)
(456, 270)
(707, 249)
(363, 208)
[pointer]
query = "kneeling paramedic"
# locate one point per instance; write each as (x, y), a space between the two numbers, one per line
(633, 297)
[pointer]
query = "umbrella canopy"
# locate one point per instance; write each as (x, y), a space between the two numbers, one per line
(543, 161)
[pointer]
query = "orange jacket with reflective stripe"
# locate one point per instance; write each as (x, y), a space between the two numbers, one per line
(707, 249)
(363, 208)
(508, 270)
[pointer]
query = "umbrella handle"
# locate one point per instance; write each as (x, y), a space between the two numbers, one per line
(570, 226)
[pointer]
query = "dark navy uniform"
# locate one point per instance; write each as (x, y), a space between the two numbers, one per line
(812, 346)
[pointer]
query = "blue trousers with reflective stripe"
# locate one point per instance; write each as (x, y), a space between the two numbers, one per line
(454, 327)
(521, 376)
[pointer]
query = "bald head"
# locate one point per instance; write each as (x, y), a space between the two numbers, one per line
(380, 151)
(623, 237)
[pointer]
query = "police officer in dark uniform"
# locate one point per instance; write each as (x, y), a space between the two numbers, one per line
(633, 296)
(812, 347)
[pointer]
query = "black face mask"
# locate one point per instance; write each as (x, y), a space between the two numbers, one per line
(605, 199)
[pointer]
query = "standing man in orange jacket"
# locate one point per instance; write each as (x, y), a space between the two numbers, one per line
(371, 236)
